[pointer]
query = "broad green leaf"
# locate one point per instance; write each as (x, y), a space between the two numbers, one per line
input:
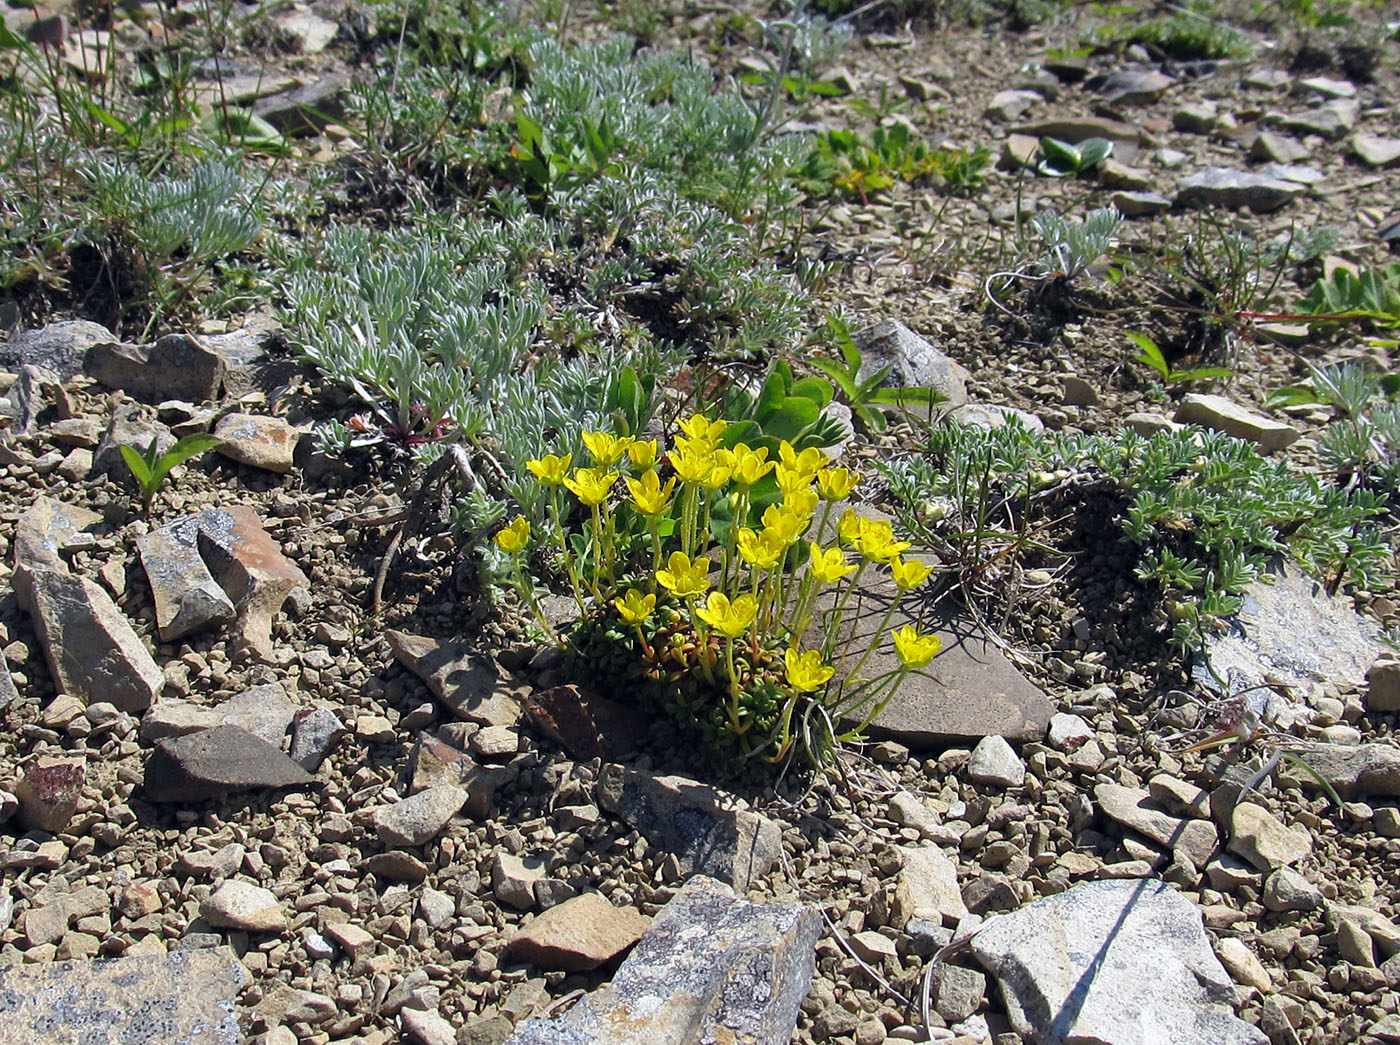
(791, 417)
(813, 388)
(140, 471)
(182, 451)
(1092, 151)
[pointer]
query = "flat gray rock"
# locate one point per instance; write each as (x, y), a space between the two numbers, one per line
(216, 762)
(1223, 415)
(1223, 187)
(170, 999)
(689, 820)
(1356, 771)
(1114, 963)
(469, 684)
(176, 367)
(712, 968)
(1291, 630)
(306, 110)
(59, 347)
(970, 690)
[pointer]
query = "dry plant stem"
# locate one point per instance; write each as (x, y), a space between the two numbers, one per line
(455, 457)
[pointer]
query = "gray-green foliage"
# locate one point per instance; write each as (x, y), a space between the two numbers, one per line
(1363, 441)
(1207, 511)
(1069, 247)
(433, 330)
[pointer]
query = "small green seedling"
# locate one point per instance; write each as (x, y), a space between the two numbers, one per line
(1152, 356)
(1063, 160)
(150, 469)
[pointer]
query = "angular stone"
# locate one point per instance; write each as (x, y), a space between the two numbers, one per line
(1077, 129)
(292, 1005)
(468, 684)
(1263, 639)
(711, 968)
(1265, 841)
(1240, 963)
(418, 819)
(688, 820)
(59, 347)
(927, 887)
(578, 935)
(971, 690)
(177, 366)
(1195, 840)
(268, 443)
(1139, 204)
(8, 693)
(396, 866)
(187, 996)
(130, 426)
(994, 761)
(1332, 120)
(45, 528)
(913, 362)
(1006, 106)
(1287, 890)
(216, 762)
(311, 32)
(584, 724)
(250, 567)
(1130, 86)
(48, 793)
(513, 879)
(1197, 117)
(1018, 151)
(1276, 148)
(1223, 187)
(187, 597)
(1121, 962)
(957, 992)
(92, 651)
(308, 109)
(1355, 771)
(1293, 172)
(1179, 796)
(427, 1027)
(1327, 87)
(315, 732)
(242, 905)
(993, 415)
(28, 399)
(1375, 151)
(1218, 413)
(1268, 79)
(495, 743)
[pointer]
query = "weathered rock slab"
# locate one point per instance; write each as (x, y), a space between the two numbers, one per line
(216, 762)
(250, 567)
(689, 820)
(92, 650)
(712, 968)
(175, 367)
(1263, 638)
(1115, 963)
(187, 597)
(268, 443)
(1354, 770)
(912, 361)
(468, 684)
(59, 347)
(186, 996)
(579, 934)
(585, 724)
(1222, 415)
(1223, 187)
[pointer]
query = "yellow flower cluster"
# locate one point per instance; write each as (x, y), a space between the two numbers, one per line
(741, 559)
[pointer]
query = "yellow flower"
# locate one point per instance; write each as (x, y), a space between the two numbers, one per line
(829, 566)
(909, 573)
(913, 649)
(635, 607)
(692, 466)
(836, 484)
(730, 619)
(607, 449)
(803, 501)
(591, 485)
(513, 537)
(643, 452)
(790, 479)
(683, 578)
(876, 541)
(650, 497)
(849, 527)
(550, 469)
(805, 463)
(805, 671)
(751, 465)
(764, 550)
(720, 470)
(701, 429)
(785, 522)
